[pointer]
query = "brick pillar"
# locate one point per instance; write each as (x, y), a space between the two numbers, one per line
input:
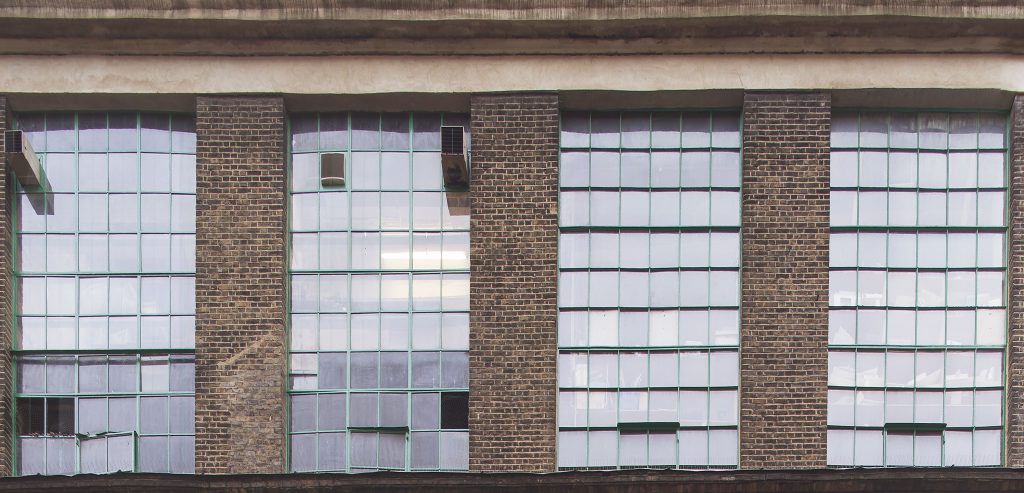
(513, 344)
(7, 307)
(1015, 342)
(240, 285)
(784, 336)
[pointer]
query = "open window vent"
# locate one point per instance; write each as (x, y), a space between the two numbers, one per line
(453, 158)
(22, 158)
(332, 169)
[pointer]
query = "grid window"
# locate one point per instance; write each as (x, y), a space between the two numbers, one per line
(649, 256)
(106, 295)
(379, 313)
(917, 289)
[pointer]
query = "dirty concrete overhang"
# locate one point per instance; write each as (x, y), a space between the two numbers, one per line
(324, 27)
(524, 10)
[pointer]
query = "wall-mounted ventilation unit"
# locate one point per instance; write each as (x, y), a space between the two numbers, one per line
(453, 158)
(22, 158)
(332, 169)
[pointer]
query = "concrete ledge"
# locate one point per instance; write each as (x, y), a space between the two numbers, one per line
(453, 75)
(633, 481)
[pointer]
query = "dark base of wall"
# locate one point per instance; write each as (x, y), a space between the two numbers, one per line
(633, 481)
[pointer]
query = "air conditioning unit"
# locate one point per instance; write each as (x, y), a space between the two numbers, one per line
(22, 158)
(453, 158)
(332, 169)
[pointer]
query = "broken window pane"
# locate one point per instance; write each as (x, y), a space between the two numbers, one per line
(31, 415)
(454, 410)
(60, 416)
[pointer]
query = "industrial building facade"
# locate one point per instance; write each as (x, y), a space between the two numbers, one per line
(571, 239)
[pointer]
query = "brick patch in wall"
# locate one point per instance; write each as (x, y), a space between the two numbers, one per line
(240, 285)
(784, 333)
(514, 248)
(6, 303)
(1015, 341)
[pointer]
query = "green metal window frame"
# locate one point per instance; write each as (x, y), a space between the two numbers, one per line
(683, 226)
(916, 346)
(180, 142)
(447, 232)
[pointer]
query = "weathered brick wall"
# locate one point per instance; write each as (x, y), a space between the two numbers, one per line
(784, 336)
(514, 246)
(6, 302)
(1015, 342)
(240, 285)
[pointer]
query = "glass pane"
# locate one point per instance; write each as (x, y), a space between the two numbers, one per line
(121, 415)
(363, 410)
(455, 451)
(840, 408)
(957, 448)
(693, 447)
(572, 449)
(723, 447)
(988, 446)
(899, 449)
(633, 449)
(840, 446)
(182, 415)
(303, 452)
(153, 415)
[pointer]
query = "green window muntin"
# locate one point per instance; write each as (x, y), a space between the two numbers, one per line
(649, 289)
(917, 288)
(379, 298)
(105, 268)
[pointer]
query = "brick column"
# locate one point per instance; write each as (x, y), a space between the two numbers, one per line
(1015, 342)
(784, 336)
(6, 302)
(240, 285)
(513, 344)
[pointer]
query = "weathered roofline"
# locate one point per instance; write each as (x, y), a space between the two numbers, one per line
(502, 27)
(536, 10)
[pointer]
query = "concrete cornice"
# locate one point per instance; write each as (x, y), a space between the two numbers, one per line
(537, 10)
(507, 27)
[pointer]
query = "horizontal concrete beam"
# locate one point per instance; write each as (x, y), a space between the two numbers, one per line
(455, 75)
(495, 27)
(493, 9)
(489, 39)
(924, 480)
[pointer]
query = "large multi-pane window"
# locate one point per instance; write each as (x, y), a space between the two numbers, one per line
(917, 319)
(649, 256)
(106, 295)
(379, 324)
